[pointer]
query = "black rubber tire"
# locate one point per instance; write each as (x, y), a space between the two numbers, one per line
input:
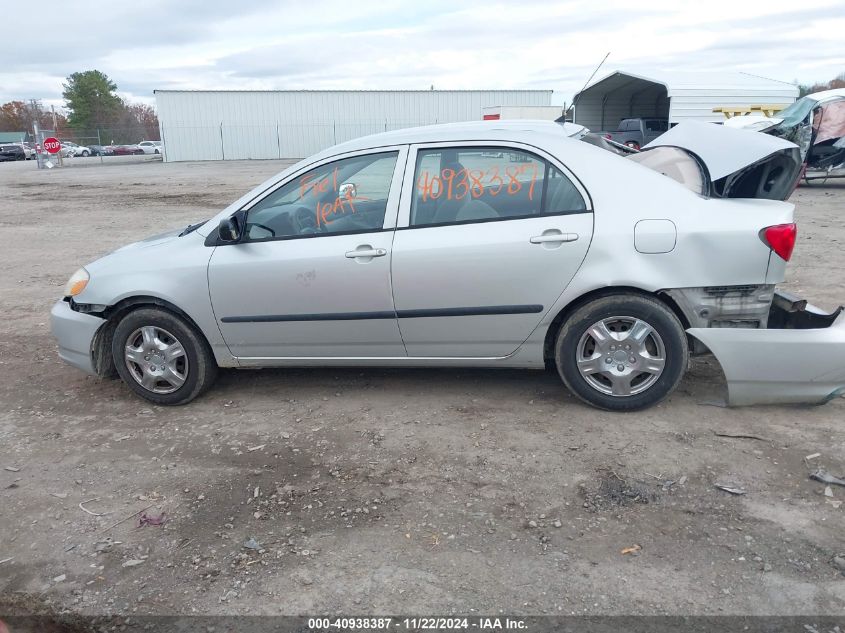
(202, 368)
(654, 312)
(157, 152)
(86, 153)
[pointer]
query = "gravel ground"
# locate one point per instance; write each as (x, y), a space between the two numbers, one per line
(386, 491)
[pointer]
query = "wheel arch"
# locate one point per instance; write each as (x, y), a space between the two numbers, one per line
(101, 346)
(569, 308)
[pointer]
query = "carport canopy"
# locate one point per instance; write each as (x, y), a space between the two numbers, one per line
(674, 96)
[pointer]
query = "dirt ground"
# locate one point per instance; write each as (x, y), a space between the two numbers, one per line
(386, 491)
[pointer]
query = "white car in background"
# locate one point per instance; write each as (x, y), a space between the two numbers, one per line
(151, 147)
(72, 149)
(494, 244)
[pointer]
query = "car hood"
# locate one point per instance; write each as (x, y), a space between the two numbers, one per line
(153, 240)
(738, 163)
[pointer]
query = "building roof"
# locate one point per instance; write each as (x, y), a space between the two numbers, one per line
(12, 137)
(675, 81)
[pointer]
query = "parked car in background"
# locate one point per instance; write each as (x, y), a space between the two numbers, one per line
(636, 133)
(11, 151)
(502, 244)
(126, 150)
(101, 150)
(816, 123)
(72, 149)
(151, 147)
(28, 150)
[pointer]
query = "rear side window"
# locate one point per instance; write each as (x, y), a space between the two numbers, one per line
(656, 125)
(477, 184)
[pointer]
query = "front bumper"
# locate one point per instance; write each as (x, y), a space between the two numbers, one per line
(75, 334)
(799, 358)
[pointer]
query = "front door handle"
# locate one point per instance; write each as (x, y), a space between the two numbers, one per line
(366, 251)
(554, 236)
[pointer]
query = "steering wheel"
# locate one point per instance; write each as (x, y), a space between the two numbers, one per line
(304, 220)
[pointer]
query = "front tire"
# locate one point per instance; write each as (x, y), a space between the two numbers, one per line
(161, 357)
(622, 352)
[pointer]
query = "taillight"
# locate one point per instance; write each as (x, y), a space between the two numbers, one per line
(780, 238)
(608, 136)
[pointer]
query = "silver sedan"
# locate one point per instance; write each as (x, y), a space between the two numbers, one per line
(498, 244)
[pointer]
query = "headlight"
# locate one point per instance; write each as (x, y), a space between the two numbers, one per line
(77, 283)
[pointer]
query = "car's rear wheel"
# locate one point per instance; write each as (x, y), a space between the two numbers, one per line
(161, 357)
(86, 153)
(622, 352)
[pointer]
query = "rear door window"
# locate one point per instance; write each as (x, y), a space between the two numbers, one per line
(459, 185)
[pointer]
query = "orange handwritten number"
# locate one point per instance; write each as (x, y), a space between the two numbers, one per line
(533, 180)
(494, 177)
(448, 175)
(513, 183)
(476, 188)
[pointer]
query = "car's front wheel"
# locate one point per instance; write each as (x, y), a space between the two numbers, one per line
(161, 357)
(622, 352)
(86, 153)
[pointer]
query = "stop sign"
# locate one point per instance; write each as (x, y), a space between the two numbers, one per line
(52, 145)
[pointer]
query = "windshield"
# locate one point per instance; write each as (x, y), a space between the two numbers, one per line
(797, 112)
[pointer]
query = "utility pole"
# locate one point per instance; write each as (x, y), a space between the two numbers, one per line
(35, 111)
(56, 132)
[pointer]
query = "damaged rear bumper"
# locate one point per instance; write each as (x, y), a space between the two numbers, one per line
(798, 358)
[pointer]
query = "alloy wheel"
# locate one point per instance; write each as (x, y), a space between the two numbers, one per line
(621, 356)
(156, 359)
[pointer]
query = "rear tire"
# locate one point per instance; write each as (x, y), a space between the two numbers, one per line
(161, 357)
(622, 352)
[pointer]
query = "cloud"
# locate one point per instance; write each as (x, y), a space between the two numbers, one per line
(266, 44)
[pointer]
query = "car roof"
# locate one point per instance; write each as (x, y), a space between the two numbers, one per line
(826, 95)
(518, 130)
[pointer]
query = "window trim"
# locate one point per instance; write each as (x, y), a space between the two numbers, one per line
(390, 212)
(409, 182)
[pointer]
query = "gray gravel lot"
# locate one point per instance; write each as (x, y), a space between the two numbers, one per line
(386, 491)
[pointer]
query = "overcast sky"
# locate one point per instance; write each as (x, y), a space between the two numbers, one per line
(322, 44)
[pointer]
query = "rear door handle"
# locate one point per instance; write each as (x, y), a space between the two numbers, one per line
(366, 251)
(557, 237)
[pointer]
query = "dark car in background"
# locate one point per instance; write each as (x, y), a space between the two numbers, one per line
(11, 151)
(101, 150)
(636, 133)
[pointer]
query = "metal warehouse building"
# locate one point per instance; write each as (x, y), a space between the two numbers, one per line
(676, 96)
(229, 125)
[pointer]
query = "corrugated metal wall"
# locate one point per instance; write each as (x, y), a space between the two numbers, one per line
(217, 125)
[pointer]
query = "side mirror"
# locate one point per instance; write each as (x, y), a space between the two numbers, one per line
(229, 229)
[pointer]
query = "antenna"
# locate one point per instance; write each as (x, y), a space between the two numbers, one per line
(575, 100)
